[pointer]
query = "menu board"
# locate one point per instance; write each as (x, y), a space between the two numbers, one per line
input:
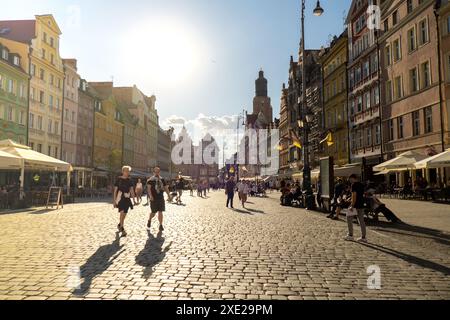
(327, 180)
(55, 197)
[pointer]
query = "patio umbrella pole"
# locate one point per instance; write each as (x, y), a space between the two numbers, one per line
(22, 180)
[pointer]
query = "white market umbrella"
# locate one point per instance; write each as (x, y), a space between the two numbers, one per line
(403, 162)
(441, 160)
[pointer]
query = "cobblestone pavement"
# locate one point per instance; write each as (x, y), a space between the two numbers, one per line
(207, 251)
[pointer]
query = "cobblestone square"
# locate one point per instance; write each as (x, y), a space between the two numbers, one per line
(210, 252)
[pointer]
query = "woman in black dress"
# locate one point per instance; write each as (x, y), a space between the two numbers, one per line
(123, 192)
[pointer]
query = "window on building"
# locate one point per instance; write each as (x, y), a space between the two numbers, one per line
(400, 127)
(428, 120)
(395, 18)
(423, 32)
(398, 92)
(360, 103)
(391, 129)
(49, 152)
(39, 148)
(5, 54)
(367, 100)
(413, 80)
(409, 6)
(397, 50)
(412, 40)
(31, 121)
(16, 61)
(50, 123)
(369, 136)
(416, 123)
(9, 113)
(448, 24)
(388, 91)
(42, 74)
(425, 74)
(376, 95)
(44, 54)
(39, 122)
(387, 54)
(41, 97)
(11, 86)
(374, 63)
(22, 118)
(366, 69)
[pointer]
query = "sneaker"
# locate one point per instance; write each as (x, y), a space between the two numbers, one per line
(364, 240)
(124, 233)
(349, 238)
(149, 224)
(161, 228)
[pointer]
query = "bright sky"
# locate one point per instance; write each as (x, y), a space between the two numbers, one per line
(199, 57)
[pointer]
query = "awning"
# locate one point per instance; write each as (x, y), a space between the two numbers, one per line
(404, 161)
(347, 171)
(441, 160)
(9, 161)
(34, 159)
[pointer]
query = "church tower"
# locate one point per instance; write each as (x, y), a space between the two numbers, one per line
(262, 106)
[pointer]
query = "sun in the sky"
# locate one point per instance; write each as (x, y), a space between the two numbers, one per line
(164, 50)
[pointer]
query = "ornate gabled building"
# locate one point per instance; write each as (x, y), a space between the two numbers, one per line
(47, 76)
(363, 70)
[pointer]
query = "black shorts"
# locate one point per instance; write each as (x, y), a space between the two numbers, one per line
(125, 205)
(158, 205)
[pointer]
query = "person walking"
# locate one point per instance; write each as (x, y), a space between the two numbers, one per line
(156, 186)
(243, 192)
(139, 190)
(179, 186)
(339, 189)
(230, 188)
(357, 206)
(123, 192)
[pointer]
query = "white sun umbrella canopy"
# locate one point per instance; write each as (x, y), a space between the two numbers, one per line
(405, 161)
(441, 160)
(30, 159)
(9, 161)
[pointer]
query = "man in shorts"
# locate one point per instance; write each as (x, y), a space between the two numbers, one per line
(156, 186)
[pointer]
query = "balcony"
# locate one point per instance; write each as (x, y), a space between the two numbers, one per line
(366, 115)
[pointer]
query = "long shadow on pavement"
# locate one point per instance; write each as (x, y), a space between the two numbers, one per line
(152, 254)
(409, 258)
(414, 231)
(99, 262)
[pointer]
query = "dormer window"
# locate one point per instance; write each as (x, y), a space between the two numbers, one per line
(5, 54)
(16, 61)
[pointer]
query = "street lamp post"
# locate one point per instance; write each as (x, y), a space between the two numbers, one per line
(304, 122)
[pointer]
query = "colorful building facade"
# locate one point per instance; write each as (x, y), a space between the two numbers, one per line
(334, 70)
(14, 86)
(108, 129)
(47, 77)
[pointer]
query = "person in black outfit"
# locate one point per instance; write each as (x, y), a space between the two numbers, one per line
(156, 186)
(339, 189)
(123, 192)
(230, 188)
